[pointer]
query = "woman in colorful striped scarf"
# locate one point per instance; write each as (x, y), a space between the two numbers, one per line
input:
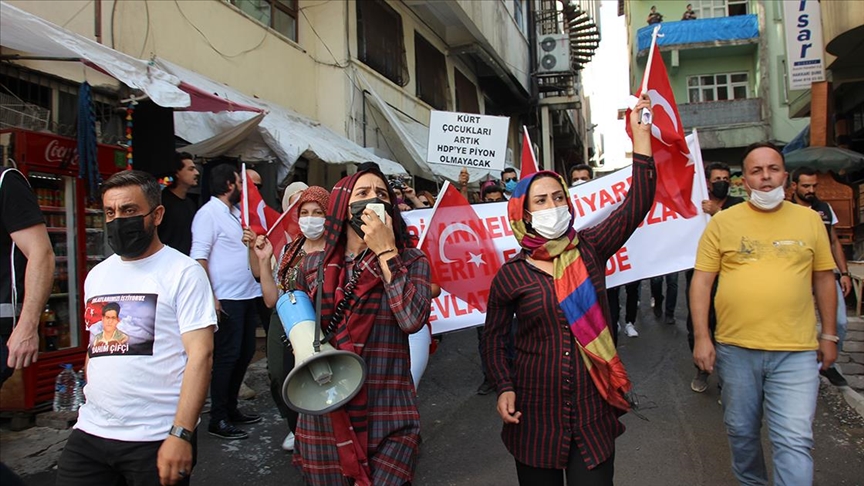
(562, 394)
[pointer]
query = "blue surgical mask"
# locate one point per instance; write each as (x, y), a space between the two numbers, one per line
(510, 185)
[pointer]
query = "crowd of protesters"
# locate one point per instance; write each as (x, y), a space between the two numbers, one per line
(203, 282)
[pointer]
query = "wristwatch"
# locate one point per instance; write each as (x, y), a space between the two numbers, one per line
(181, 433)
(845, 274)
(830, 337)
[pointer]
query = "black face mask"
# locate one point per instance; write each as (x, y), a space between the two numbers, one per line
(129, 237)
(720, 189)
(356, 208)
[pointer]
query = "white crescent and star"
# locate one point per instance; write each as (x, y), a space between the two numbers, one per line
(476, 259)
(657, 99)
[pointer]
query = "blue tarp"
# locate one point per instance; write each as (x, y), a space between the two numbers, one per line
(738, 27)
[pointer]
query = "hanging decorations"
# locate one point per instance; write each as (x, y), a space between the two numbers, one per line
(88, 166)
(130, 110)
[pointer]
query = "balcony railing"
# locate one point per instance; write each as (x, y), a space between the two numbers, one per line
(735, 30)
(720, 113)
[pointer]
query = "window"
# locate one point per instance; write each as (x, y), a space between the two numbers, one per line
(717, 87)
(279, 15)
(431, 73)
(466, 94)
(706, 9)
(519, 14)
(380, 43)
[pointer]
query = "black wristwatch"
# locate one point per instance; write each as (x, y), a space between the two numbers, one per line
(181, 433)
(845, 274)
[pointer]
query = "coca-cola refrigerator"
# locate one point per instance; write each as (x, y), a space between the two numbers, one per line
(76, 227)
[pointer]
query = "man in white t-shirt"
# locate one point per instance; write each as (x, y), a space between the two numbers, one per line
(144, 394)
(217, 244)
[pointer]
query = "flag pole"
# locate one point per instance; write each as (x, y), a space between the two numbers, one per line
(245, 195)
(434, 208)
(650, 59)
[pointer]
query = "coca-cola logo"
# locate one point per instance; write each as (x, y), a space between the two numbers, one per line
(56, 152)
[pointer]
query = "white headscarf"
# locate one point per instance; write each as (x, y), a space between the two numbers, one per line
(291, 190)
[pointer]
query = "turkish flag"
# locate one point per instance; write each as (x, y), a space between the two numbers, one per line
(264, 220)
(463, 257)
(529, 161)
(675, 165)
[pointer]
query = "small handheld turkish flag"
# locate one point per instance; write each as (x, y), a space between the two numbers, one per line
(463, 258)
(675, 166)
(264, 220)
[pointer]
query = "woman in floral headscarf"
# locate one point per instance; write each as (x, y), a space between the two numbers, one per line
(562, 394)
(310, 206)
(375, 292)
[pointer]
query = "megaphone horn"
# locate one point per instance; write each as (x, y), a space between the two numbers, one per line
(320, 381)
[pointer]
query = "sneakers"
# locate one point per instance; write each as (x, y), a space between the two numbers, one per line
(834, 377)
(240, 418)
(224, 430)
(700, 382)
(288, 443)
(485, 388)
(670, 320)
(630, 330)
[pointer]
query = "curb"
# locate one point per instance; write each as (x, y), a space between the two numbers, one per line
(853, 398)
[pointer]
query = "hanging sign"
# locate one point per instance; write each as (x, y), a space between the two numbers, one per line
(805, 55)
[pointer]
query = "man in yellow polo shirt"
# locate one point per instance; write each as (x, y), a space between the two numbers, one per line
(772, 256)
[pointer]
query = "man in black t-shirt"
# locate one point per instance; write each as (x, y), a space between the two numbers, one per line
(176, 228)
(26, 272)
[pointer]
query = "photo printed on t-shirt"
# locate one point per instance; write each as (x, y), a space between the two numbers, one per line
(121, 324)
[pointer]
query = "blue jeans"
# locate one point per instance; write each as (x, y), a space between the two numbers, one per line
(783, 386)
(842, 322)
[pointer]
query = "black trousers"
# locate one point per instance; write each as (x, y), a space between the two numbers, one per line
(577, 473)
(671, 293)
(233, 348)
(712, 315)
(89, 460)
(280, 362)
(632, 306)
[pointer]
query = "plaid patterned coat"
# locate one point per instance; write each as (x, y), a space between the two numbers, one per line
(393, 420)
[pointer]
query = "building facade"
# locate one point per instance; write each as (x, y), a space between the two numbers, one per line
(369, 70)
(726, 68)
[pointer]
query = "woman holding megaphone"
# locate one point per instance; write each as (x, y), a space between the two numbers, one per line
(375, 292)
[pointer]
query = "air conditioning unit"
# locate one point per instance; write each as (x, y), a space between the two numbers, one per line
(554, 55)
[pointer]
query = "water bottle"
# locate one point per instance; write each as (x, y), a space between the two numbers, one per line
(79, 388)
(64, 390)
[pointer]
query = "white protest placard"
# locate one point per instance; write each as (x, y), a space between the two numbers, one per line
(665, 242)
(805, 56)
(467, 140)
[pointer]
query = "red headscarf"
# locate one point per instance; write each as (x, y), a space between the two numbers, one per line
(350, 423)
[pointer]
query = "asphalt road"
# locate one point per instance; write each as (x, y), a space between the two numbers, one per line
(682, 440)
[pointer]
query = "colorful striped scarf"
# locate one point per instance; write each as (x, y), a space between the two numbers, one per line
(576, 295)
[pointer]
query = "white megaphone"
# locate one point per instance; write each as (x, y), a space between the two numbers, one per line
(321, 380)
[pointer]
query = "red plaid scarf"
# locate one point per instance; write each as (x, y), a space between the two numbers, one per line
(351, 422)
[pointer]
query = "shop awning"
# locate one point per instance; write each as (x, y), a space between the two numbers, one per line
(30, 34)
(410, 139)
(282, 133)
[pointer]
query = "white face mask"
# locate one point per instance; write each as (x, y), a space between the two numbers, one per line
(769, 200)
(551, 223)
(312, 227)
(577, 182)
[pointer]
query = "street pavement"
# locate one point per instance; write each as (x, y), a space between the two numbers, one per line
(680, 441)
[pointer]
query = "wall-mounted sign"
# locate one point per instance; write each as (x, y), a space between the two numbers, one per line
(805, 56)
(468, 140)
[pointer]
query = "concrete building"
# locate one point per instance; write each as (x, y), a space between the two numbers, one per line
(726, 68)
(371, 71)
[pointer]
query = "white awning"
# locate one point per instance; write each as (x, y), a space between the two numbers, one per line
(282, 134)
(410, 138)
(28, 33)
